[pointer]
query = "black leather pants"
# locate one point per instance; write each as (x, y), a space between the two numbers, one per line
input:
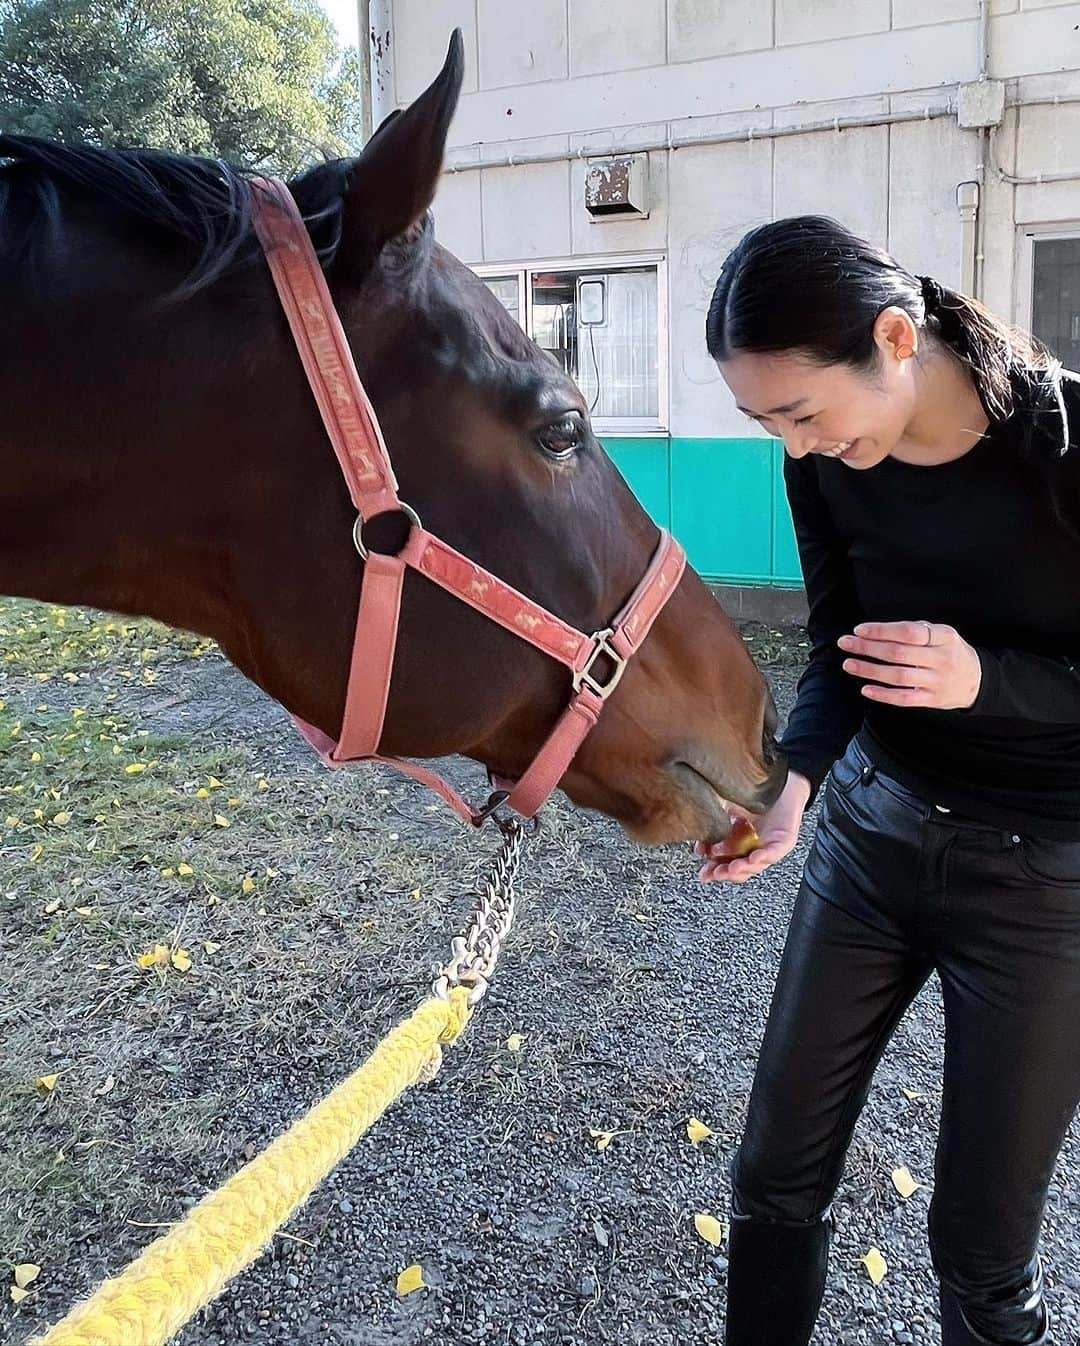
(895, 888)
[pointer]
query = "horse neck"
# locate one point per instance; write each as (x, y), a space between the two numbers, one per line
(141, 477)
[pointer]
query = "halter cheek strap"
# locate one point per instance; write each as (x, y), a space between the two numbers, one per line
(595, 662)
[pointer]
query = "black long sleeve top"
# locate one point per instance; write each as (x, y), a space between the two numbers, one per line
(989, 544)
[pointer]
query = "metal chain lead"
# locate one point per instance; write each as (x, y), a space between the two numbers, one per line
(474, 954)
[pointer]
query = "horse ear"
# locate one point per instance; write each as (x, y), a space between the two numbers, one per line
(394, 180)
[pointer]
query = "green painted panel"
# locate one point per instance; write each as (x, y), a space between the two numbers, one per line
(785, 552)
(644, 464)
(723, 498)
(722, 506)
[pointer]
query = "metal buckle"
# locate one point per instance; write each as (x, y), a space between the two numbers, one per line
(358, 526)
(585, 678)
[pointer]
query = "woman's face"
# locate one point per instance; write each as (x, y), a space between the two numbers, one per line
(838, 411)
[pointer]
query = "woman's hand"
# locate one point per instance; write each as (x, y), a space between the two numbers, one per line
(778, 830)
(920, 663)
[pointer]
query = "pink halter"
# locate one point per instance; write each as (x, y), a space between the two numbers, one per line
(354, 432)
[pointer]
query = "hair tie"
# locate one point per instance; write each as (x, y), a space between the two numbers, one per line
(932, 294)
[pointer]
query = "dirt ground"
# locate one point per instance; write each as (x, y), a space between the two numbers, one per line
(151, 797)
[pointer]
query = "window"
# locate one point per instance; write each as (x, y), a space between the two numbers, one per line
(1055, 307)
(604, 325)
(507, 290)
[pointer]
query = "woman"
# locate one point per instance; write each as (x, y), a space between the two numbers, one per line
(936, 498)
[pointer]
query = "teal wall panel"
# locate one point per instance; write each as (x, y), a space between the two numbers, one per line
(721, 506)
(644, 463)
(722, 498)
(785, 552)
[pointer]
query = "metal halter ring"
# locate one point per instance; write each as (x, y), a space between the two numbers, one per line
(358, 526)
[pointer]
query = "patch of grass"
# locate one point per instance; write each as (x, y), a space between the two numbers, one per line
(48, 643)
(290, 891)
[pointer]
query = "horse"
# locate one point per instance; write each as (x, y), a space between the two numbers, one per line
(162, 455)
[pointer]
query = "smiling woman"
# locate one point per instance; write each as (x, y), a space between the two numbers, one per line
(935, 487)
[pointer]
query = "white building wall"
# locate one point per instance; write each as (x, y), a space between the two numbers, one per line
(565, 79)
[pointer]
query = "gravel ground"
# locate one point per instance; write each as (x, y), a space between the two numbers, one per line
(641, 998)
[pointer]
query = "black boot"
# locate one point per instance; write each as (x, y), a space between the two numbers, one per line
(776, 1277)
(956, 1330)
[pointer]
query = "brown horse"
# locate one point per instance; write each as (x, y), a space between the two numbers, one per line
(161, 454)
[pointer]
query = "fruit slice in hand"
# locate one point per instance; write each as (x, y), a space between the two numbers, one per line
(743, 838)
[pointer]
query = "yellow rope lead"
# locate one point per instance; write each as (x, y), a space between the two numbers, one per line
(182, 1271)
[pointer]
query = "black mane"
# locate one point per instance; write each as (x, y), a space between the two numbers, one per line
(203, 204)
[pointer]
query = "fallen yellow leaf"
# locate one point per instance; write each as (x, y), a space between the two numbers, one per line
(709, 1228)
(904, 1183)
(11, 820)
(514, 1042)
(84, 911)
(875, 1265)
(248, 885)
(181, 960)
(35, 757)
(911, 1095)
(204, 793)
(61, 819)
(697, 1130)
(47, 1082)
(214, 783)
(168, 873)
(221, 821)
(157, 957)
(412, 1278)
(135, 768)
(53, 906)
(604, 1138)
(26, 1274)
(17, 1295)
(263, 785)
(211, 947)
(36, 854)
(184, 869)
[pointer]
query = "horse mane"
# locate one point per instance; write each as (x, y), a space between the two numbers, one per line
(204, 204)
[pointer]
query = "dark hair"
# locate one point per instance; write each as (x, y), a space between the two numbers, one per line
(842, 283)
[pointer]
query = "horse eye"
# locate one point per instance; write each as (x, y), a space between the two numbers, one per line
(563, 437)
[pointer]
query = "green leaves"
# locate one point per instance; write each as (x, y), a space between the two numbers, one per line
(261, 83)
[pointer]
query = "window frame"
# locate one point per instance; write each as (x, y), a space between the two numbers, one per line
(1027, 235)
(637, 427)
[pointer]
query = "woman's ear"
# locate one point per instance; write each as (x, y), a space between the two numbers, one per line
(895, 333)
